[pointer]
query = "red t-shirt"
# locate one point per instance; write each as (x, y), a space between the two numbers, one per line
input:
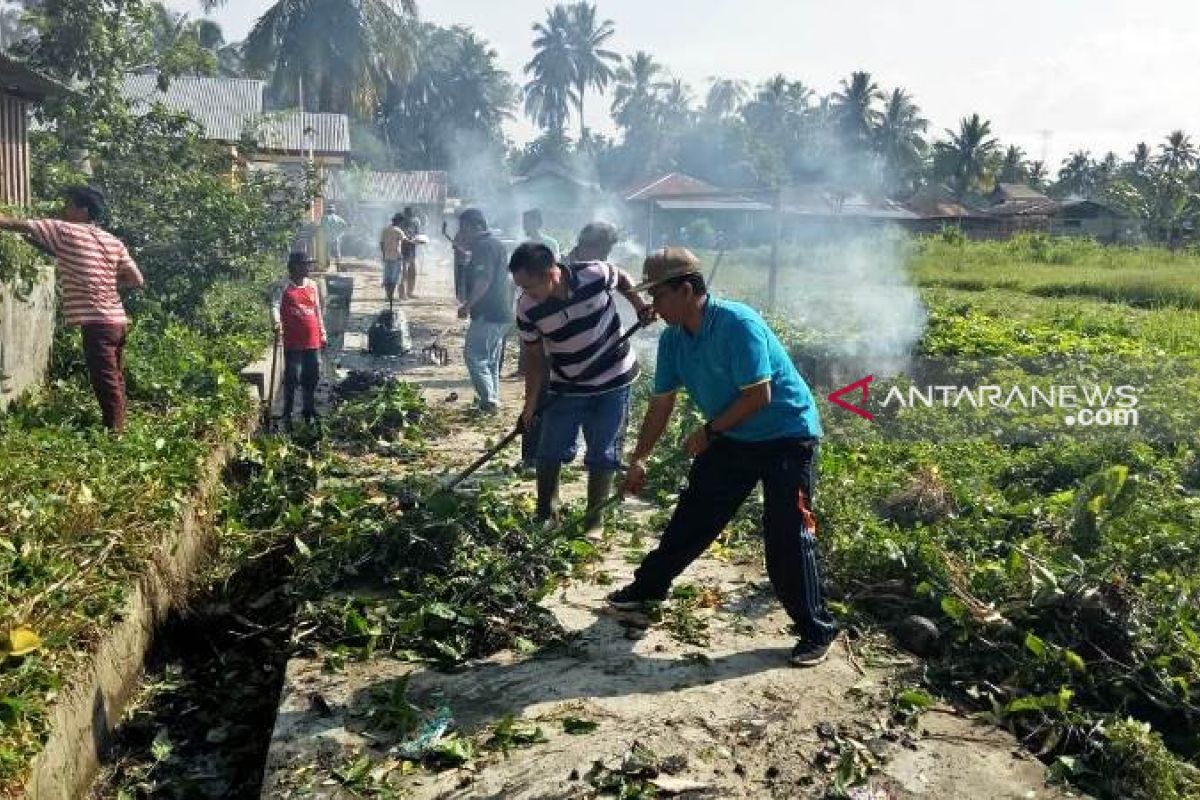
(300, 315)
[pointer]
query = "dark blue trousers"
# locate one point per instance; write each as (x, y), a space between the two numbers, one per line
(720, 480)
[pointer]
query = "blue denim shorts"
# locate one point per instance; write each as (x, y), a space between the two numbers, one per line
(602, 418)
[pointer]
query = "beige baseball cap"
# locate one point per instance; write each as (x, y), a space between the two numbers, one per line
(667, 264)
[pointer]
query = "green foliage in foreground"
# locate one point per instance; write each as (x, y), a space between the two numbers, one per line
(83, 511)
(1061, 564)
(389, 564)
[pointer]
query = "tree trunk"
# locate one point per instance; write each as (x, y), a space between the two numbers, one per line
(582, 124)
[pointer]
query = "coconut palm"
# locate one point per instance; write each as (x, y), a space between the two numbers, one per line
(1077, 176)
(346, 52)
(1013, 168)
(854, 111)
(1036, 175)
(725, 97)
(1177, 153)
(637, 84)
(550, 91)
(593, 65)
(964, 156)
(676, 103)
(1140, 159)
(900, 137)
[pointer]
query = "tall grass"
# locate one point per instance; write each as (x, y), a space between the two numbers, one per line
(1144, 277)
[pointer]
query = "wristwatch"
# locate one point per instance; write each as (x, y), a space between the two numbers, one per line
(709, 433)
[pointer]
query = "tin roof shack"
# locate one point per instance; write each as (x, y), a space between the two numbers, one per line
(676, 208)
(231, 112)
(1098, 220)
(812, 211)
(936, 209)
(1018, 208)
(26, 317)
(368, 199)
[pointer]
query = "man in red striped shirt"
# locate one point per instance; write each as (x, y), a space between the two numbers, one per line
(92, 264)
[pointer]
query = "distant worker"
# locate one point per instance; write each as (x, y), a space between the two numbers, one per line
(488, 301)
(92, 265)
(763, 427)
(334, 228)
(567, 316)
(408, 254)
(296, 311)
(532, 222)
(391, 242)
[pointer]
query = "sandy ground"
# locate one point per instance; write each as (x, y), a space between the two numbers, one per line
(732, 717)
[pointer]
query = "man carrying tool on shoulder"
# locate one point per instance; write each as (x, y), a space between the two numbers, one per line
(762, 426)
(568, 315)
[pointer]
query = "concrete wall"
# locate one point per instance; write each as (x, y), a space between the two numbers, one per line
(26, 333)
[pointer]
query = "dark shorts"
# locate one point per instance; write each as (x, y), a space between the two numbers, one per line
(391, 272)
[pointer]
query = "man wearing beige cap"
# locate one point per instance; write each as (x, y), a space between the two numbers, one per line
(762, 426)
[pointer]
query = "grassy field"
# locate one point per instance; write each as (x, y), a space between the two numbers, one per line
(1060, 563)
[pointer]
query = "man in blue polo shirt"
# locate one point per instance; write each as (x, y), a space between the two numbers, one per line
(762, 426)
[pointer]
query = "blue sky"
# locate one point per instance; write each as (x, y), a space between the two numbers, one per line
(1052, 76)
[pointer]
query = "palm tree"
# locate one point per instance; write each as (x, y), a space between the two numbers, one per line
(725, 96)
(1012, 167)
(964, 156)
(676, 103)
(853, 108)
(550, 91)
(900, 137)
(1177, 154)
(346, 52)
(592, 64)
(637, 84)
(1140, 163)
(1077, 177)
(1036, 175)
(778, 118)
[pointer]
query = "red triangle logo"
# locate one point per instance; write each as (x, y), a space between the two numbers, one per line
(861, 385)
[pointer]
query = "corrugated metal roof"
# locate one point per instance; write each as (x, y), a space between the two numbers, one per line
(229, 108)
(1044, 207)
(287, 130)
(712, 204)
(397, 188)
(19, 80)
(673, 184)
(1017, 191)
(222, 106)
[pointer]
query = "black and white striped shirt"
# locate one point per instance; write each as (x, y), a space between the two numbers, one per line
(579, 332)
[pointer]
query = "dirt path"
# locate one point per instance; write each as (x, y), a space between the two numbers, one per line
(707, 692)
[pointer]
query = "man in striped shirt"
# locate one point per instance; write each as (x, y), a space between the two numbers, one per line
(92, 264)
(567, 314)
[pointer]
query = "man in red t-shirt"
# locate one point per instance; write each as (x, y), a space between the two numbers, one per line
(92, 264)
(296, 311)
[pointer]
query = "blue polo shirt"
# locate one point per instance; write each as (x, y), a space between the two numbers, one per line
(733, 350)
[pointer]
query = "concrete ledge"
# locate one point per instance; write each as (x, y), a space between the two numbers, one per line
(94, 700)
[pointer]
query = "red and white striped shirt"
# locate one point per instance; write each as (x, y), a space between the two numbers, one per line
(89, 261)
